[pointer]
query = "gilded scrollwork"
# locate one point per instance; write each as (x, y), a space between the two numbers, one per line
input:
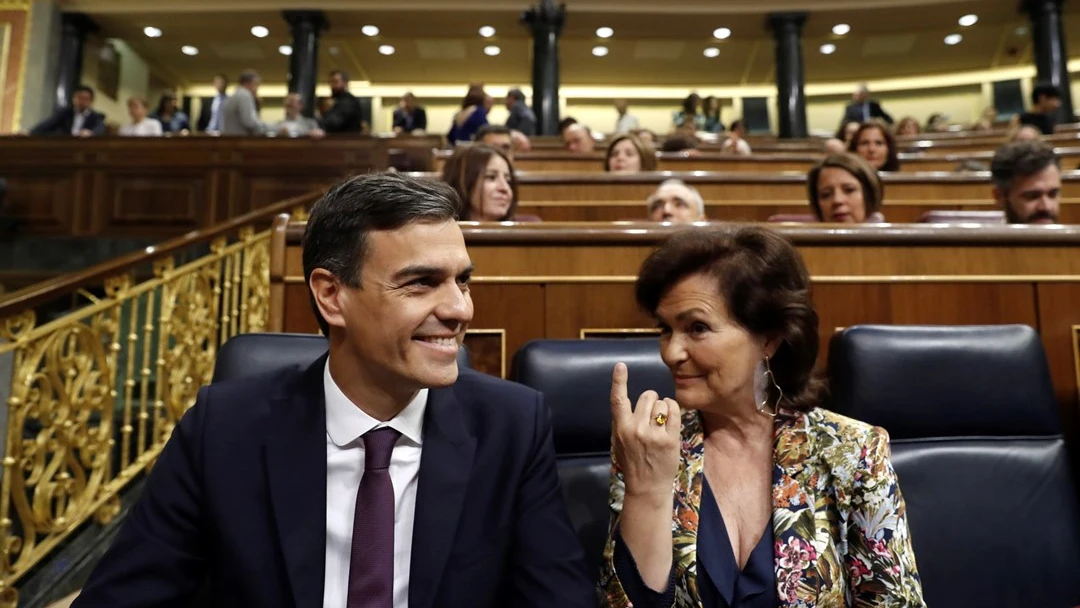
(16, 327)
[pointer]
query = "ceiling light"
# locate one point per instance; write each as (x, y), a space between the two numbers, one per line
(828, 49)
(492, 51)
(260, 31)
(487, 31)
(721, 33)
(187, 49)
(600, 51)
(968, 20)
(605, 32)
(386, 49)
(334, 50)
(152, 32)
(952, 39)
(711, 51)
(285, 49)
(370, 30)
(841, 29)
(1021, 31)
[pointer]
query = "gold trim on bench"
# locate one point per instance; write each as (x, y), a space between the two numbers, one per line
(637, 331)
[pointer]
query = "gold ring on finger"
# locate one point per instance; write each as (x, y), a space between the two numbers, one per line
(661, 419)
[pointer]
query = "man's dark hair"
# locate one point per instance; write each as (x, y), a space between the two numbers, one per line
(223, 78)
(1020, 159)
(678, 143)
(516, 94)
(248, 77)
(566, 122)
(336, 237)
(490, 130)
(344, 75)
(1044, 89)
(81, 88)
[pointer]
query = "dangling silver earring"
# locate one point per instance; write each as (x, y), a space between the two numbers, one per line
(766, 408)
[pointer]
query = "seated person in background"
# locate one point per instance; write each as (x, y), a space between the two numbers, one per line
(141, 124)
(646, 136)
(875, 143)
(484, 180)
(240, 114)
(628, 154)
(468, 120)
(1025, 133)
(838, 143)
(521, 117)
(937, 123)
(171, 117)
(296, 124)
(1045, 101)
(689, 118)
(676, 202)
(498, 137)
(986, 120)
(680, 143)
(344, 115)
(578, 138)
(409, 117)
(735, 144)
(1027, 182)
(78, 119)
(908, 126)
(379, 473)
(743, 490)
(845, 189)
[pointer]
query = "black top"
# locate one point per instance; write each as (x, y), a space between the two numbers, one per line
(720, 582)
(344, 117)
(1044, 122)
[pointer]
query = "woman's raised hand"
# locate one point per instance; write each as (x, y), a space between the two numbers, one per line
(645, 439)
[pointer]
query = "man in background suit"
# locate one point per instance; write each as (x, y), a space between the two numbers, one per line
(344, 115)
(409, 116)
(210, 114)
(240, 113)
(864, 109)
(78, 119)
(381, 476)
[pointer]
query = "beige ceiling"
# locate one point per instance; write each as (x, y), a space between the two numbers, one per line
(649, 47)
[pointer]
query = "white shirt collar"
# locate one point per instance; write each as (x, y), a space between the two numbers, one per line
(345, 422)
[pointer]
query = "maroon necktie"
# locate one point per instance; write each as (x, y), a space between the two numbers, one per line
(371, 565)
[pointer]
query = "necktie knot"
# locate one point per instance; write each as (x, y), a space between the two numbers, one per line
(378, 445)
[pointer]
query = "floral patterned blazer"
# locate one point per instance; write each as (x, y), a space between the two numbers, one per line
(839, 520)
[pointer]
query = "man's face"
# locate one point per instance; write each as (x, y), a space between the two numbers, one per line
(293, 105)
(502, 141)
(337, 82)
(621, 106)
(861, 95)
(674, 203)
(409, 102)
(1049, 105)
(81, 101)
(510, 101)
(578, 139)
(406, 321)
(219, 84)
(1034, 199)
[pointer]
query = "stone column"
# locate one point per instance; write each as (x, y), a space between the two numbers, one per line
(790, 79)
(306, 26)
(1051, 55)
(545, 21)
(73, 30)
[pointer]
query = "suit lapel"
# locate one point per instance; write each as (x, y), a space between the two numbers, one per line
(445, 467)
(295, 451)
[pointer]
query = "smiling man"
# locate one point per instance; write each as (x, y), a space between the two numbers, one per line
(1027, 182)
(382, 476)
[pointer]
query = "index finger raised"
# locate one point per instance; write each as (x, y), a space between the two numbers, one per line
(620, 401)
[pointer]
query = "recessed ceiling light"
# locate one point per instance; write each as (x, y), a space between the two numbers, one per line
(711, 51)
(187, 49)
(334, 50)
(487, 31)
(605, 32)
(721, 33)
(285, 49)
(968, 20)
(492, 51)
(152, 32)
(952, 39)
(841, 29)
(600, 51)
(1021, 31)
(386, 49)
(828, 49)
(370, 30)
(260, 31)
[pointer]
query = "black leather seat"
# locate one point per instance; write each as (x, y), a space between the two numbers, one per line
(977, 445)
(246, 355)
(575, 378)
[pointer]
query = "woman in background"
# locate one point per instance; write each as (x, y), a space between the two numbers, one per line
(712, 115)
(484, 179)
(845, 189)
(908, 126)
(840, 140)
(141, 124)
(629, 154)
(171, 117)
(471, 117)
(875, 143)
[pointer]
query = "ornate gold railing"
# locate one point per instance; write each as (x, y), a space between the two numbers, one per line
(94, 394)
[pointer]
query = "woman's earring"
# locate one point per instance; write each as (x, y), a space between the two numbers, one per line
(764, 407)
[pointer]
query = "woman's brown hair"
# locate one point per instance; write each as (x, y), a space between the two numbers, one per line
(765, 287)
(644, 150)
(892, 161)
(873, 191)
(466, 168)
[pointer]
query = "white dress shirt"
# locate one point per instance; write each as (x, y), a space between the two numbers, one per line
(345, 425)
(147, 127)
(78, 120)
(626, 123)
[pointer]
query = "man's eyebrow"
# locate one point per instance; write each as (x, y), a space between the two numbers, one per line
(419, 270)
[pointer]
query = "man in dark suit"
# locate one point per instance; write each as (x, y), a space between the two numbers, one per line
(78, 119)
(382, 475)
(210, 114)
(864, 109)
(409, 116)
(344, 116)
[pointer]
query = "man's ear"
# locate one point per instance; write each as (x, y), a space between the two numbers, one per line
(999, 197)
(329, 295)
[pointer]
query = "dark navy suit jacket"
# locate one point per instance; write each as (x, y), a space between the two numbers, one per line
(237, 502)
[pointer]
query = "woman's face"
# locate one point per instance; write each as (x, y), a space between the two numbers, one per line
(711, 357)
(170, 105)
(840, 197)
(625, 158)
(873, 147)
(909, 127)
(492, 196)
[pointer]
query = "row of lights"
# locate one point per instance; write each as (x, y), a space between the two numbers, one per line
(261, 31)
(720, 33)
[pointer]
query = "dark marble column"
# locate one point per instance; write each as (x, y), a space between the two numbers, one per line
(73, 30)
(790, 79)
(1051, 54)
(545, 21)
(306, 26)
